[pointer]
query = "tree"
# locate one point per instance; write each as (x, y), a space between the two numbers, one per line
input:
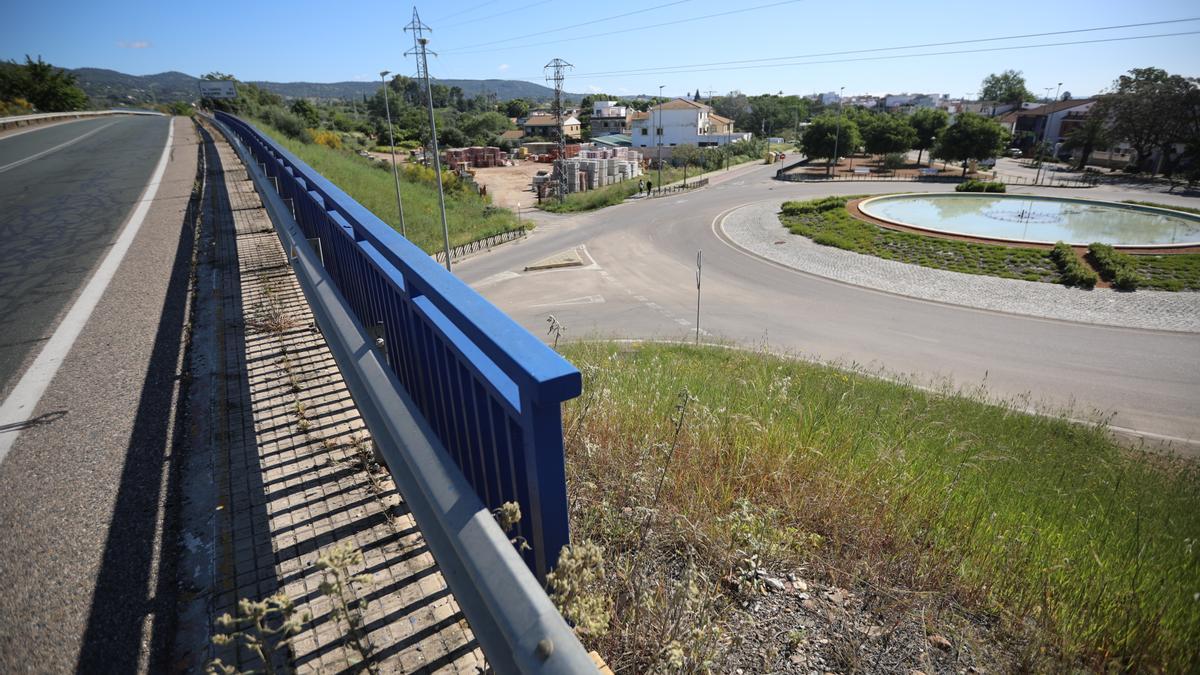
(885, 134)
(1007, 87)
(306, 112)
(1066, 96)
(1150, 109)
(697, 96)
(49, 89)
(971, 137)
(685, 155)
(819, 141)
(928, 123)
(517, 107)
(1089, 136)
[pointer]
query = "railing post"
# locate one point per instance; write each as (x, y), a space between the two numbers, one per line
(547, 481)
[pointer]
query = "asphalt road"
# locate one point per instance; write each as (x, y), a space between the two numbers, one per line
(65, 190)
(86, 583)
(642, 285)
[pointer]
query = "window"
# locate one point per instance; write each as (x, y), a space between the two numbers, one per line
(659, 132)
(645, 132)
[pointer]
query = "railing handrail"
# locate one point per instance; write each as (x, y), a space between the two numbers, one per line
(513, 620)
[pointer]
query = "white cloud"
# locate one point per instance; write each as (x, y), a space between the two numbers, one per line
(136, 44)
(362, 78)
(502, 67)
(594, 89)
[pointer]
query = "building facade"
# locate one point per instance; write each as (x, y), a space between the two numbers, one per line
(683, 122)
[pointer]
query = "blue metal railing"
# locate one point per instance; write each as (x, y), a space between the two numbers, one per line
(490, 391)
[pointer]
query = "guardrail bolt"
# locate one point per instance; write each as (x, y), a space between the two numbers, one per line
(544, 649)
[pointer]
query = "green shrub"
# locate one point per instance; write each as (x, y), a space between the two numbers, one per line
(290, 124)
(979, 186)
(1116, 267)
(1073, 271)
(814, 206)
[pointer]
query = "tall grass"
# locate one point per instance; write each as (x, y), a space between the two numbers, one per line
(468, 216)
(1081, 552)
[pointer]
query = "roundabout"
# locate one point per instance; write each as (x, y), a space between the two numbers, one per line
(1030, 219)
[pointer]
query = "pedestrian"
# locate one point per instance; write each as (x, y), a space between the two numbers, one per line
(641, 186)
(649, 187)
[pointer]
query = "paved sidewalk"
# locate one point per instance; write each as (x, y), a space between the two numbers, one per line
(293, 471)
(756, 228)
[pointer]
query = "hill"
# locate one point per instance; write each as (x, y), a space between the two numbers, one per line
(109, 87)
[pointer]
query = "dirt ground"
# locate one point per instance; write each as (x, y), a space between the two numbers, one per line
(507, 185)
(511, 185)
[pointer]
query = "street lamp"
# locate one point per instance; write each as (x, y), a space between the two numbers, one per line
(392, 143)
(658, 135)
(838, 133)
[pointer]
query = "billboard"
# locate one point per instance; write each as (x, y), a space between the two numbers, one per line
(217, 89)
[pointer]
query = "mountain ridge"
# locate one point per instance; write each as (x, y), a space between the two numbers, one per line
(115, 88)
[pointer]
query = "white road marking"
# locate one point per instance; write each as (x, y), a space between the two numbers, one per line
(60, 146)
(915, 337)
(19, 406)
(582, 300)
(496, 278)
(683, 322)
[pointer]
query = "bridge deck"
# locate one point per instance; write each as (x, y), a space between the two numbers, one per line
(294, 468)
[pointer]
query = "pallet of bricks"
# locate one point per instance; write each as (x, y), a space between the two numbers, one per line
(476, 156)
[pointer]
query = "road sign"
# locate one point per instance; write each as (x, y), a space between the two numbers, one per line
(217, 89)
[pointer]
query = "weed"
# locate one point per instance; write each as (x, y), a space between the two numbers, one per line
(339, 584)
(262, 627)
(573, 587)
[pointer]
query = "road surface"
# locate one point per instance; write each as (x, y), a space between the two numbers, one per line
(642, 285)
(85, 459)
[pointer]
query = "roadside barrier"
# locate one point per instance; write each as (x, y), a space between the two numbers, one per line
(462, 403)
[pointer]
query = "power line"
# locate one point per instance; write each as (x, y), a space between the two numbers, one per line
(670, 70)
(460, 12)
(504, 13)
(542, 43)
(575, 25)
(888, 49)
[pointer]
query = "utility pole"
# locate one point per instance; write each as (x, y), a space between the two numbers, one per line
(555, 74)
(419, 49)
(837, 133)
(392, 143)
(699, 266)
(658, 135)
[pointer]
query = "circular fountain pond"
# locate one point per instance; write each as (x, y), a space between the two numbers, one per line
(1037, 220)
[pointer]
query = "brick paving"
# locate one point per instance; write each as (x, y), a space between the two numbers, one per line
(757, 229)
(294, 472)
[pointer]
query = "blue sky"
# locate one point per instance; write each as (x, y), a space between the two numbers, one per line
(329, 41)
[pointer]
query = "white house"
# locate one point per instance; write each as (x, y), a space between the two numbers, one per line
(683, 122)
(609, 118)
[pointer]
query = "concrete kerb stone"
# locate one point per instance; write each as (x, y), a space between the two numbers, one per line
(756, 229)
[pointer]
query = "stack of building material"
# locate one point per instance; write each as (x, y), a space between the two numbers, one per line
(476, 156)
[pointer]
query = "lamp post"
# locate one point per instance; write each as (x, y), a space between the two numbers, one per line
(837, 133)
(392, 143)
(658, 136)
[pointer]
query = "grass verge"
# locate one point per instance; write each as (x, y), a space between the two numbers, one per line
(468, 216)
(827, 222)
(685, 463)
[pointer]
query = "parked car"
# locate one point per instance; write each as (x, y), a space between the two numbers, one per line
(989, 163)
(1015, 153)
